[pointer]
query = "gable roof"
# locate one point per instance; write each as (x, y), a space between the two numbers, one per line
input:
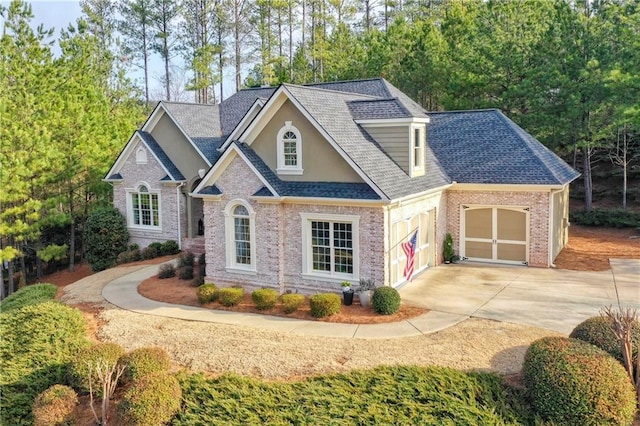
(200, 122)
(172, 171)
(484, 146)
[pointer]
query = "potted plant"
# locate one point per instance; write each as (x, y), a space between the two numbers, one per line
(347, 293)
(365, 289)
(447, 249)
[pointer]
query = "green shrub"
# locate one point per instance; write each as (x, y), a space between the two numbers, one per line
(447, 248)
(37, 342)
(134, 246)
(618, 218)
(599, 332)
(84, 364)
(28, 295)
(170, 247)
(230, 296)
(264, 298)
(157, 247)
(105, 236)
(54, 406)
(135, 255)
(167, 271)
(143, 361)
(185, 272)
(149, 253)
(573, 382)
(324, 304)
(207, 293)
(186, 259)
(152, 400)
(124, 257)
(385, 300)
(291, 302)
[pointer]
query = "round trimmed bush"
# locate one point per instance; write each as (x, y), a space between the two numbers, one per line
(152, 400)
(85, 362)
(385, 300)
(230, 296)
(573, 382)
(149, 253)
(143, 361)
(170, 247)
(599, 332)
(264, 298)
(105, 236)
(54, 406)
(207, 293)
(166, 271)
(185, 272)
(291, 302)
(324, 304)
(124, 257)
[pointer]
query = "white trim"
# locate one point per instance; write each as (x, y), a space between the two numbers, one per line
(415, 171)
(129, 206)
(550, 259)
(320, 201)
(495, 187)
(282, 168)
(307, 257)
(256, 107)
(229, 228)
(392, 122)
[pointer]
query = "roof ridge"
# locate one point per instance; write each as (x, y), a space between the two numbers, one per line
(345, 81)
(459, 111)
(188, 103)
(340, 92)
(376, 100)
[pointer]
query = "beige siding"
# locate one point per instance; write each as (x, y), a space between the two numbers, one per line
(320, 161)
(560, 222)
(395, 141)
(177, 147)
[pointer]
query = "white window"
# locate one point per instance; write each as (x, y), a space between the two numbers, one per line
(240, 236)
(144, 208)
(330, 246)
(141, 156)
(289, 150)
(418, 142)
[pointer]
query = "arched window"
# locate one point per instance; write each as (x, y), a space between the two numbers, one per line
(240, 232)
(141, 156)
(145, 207)
(289, 150)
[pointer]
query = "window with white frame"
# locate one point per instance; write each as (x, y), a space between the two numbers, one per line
(418, 142)
(289, 147)
(240, 233)
(330, 245)
(145, 207)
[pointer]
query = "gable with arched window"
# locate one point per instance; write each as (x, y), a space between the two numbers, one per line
(289, 150)
(144, 207)
(141, 156)
(240, 236)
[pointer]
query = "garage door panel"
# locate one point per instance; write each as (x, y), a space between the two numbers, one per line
(512, 252)
(479, 250)
(478, 223)
(512, 225)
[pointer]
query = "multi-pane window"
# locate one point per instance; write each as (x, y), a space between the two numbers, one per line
(145, 207)
(242, 235)
(290, 148)
(418, 148)
(332, 247)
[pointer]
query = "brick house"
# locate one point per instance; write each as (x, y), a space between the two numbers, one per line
(302, 187)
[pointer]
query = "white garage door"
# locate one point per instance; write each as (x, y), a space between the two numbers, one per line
(495, 234)
(402, 231)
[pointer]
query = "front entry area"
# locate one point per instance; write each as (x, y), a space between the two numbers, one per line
(497, 234)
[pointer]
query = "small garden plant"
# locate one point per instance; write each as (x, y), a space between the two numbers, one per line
(292, 302)
(324, 304)
(207, 293)
(166, 271)
(143, 361)
(152, 400)
(54, 406)
(265, 298)
(385, 300)
(230, 296)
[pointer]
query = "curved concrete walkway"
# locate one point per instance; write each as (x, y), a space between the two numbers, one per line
(546, 298)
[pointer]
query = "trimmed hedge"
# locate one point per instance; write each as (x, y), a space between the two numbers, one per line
(105, 236)
(618, 218)
(108, 354)
(264, 298)
(170, 247)
(54, 406)
(230, 296)
(143, 361)
(152, 400)
(38, 341)
(385, 300)
(29, 295)
(573, 382)
(207, 293)
(291, 302)
(149, 252)
(599, 332)
(324, 304)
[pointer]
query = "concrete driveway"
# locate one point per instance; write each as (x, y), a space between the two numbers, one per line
(554, 299)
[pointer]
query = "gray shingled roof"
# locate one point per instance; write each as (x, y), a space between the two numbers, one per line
(375, 109)
(234, 108)
(486, 147)
(210, 190)
(201, 122)
(174, 173)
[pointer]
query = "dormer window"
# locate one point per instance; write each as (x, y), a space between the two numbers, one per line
(418, 142)
(289, 150)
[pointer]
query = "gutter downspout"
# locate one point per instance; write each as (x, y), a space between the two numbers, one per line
(179, 218)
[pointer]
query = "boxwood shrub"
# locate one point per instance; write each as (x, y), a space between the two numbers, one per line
(324, 304)
(152, 400)
(143, 361)
(264, 298)
(385, 300)
(105, 236)
(54, 406)
(29, 295)
(599, 332)
(291, 302)
(230, 296)
(108, 354)
(575, 383)
(207, 293)
(169, 247)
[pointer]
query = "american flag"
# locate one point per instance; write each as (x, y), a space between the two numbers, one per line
(409, 248)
